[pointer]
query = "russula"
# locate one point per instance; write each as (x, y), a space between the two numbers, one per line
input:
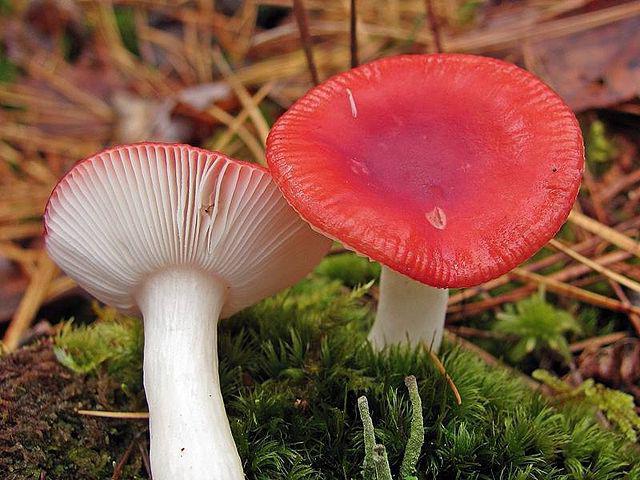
(448, 169)
(186, 236)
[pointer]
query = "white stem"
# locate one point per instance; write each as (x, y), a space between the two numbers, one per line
(189, 429)
(408, 312)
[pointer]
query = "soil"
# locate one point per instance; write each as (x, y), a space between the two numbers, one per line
(42, 435)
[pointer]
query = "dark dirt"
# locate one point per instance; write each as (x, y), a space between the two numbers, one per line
(41, 434)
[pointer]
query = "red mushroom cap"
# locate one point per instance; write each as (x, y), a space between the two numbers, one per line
(450, 169)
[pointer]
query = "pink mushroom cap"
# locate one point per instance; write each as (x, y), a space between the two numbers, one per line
(450, 169)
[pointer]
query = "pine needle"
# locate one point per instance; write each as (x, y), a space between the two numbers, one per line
(302, 19)
(31, 302)
(606, 233)
(243, 95)
(616, 277)
(572, 291)
(120, 415)
(443, 372)
(239, 119)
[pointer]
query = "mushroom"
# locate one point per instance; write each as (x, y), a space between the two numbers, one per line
(186, 236)
(448, 169)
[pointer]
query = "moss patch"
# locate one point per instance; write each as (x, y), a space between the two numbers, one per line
(292, 368)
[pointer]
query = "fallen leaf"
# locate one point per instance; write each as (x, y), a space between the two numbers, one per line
(590, 69)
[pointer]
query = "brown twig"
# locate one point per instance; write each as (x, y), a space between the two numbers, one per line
(239, 119)
(303, 25)
(117, 471)
(144, 453)
(434, 26)
(595, 196)
(119, 415)
(443, 372)
(69, 90)
(572, 291)
(243, 95)
(610, 191)
(249, 140)
(353, 34)
(627, 282)
(605, 232)
(459, 309)
(594, 343)
(583, 247)
(31, 302)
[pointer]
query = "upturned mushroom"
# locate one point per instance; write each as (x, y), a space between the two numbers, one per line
(186, 236)
(448, 169)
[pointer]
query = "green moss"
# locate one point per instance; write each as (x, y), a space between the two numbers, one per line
(600, 148)
(8, 69)
(350, 269)
(618, 406)
(6, 7)
(293, 366)
(468, 11)
(593, 323)
(125, 20)
(86, 459)
(113, 341)
(538, 327)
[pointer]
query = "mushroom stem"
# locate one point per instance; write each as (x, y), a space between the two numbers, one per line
(408, 312)
(189, 430)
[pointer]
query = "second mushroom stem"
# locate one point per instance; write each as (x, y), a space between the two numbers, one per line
(408, 312)
(189, 430)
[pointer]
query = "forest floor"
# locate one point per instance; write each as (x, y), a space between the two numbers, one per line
(546, 359)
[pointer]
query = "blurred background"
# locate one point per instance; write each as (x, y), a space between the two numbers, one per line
(78, 75)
